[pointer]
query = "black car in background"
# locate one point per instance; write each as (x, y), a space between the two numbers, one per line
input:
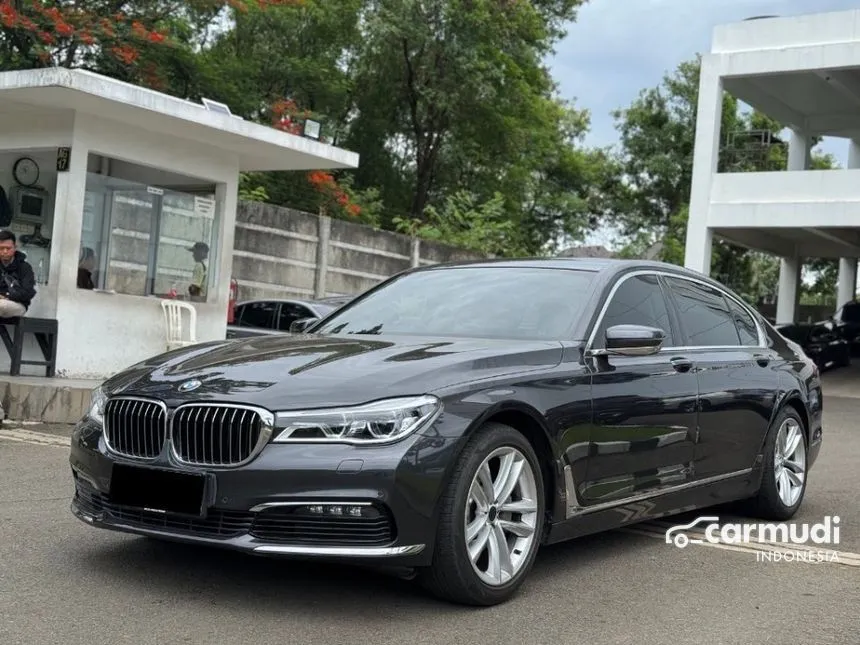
(454, 418)
(821, 342)
(846, 322)
(276, 315)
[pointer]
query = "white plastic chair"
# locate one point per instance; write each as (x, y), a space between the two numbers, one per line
(172, 310)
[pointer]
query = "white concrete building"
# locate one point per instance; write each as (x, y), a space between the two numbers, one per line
(803, 71)
(137, 177)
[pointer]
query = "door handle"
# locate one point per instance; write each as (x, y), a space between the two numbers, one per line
(762, 359)
(681, 364)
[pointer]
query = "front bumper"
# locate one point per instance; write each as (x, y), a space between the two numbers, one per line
(261, 507)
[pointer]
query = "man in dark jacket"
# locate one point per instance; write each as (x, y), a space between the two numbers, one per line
(17, 282)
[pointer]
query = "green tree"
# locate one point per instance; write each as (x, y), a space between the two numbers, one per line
(146, 42)
(453, 95)
(652, 194)
(464, 223)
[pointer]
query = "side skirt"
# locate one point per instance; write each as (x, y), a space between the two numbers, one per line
(587, 520)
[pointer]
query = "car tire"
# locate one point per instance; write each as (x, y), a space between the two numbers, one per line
(779, 496)
(452, 575)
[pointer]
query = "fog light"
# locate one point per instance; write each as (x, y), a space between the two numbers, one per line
(350, 510)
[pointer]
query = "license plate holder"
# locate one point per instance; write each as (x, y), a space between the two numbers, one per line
(159, 490)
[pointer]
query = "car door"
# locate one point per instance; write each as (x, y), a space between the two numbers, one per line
(737, 378)
(643, 407)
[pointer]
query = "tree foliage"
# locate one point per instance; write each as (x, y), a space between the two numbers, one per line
(461, 133)
(650, 202)
(147, 42)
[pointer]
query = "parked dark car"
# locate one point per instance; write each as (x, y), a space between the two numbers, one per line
(821, 342)
(275, 315)
(847, 323)
(454, 418)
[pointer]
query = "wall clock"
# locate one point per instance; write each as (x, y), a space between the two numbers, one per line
(26, 171)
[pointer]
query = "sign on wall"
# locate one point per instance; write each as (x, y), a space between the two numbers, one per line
(64, 156)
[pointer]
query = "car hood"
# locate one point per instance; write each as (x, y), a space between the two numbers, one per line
(299, 371)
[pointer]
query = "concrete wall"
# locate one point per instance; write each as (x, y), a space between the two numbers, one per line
(828, 28)
(283, 253)
(810, 198)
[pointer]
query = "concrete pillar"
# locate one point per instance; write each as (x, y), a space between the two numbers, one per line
(789, 283)
(415, 255)
(853, 154)
(846, 286)
(65, 254)
(799, 151)
(700, 242)
(706, 156)
(323, 237)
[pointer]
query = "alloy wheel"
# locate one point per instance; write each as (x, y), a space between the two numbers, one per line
(501, 516)
(790, 462)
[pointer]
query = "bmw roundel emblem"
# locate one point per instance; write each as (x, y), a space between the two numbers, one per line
(188, 386)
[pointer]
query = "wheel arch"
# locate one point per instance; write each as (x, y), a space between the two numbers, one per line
(527, 421)
(790, 399)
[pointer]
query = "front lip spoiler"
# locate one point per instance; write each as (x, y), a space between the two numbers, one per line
(358, 552)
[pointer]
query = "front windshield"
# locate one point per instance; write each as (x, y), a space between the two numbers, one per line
(478, 302)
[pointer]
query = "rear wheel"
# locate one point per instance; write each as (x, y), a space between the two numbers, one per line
(784, 474)
(491, 520)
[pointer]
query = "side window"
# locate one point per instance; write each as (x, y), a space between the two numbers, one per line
(705, 316)
(745, 324)
(638, 301)
(290, 312)
(258, 314)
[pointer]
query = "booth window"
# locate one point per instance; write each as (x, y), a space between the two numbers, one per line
(147, 232)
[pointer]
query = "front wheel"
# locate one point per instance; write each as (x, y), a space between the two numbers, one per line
(491, 520)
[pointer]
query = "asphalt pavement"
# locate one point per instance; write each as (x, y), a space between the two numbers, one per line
(65, 583)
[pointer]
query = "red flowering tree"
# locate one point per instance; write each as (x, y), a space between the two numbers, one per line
(121, 39)
(335, 198)
(287, 116)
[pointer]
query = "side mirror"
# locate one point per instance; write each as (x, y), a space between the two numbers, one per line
(634, 340)
(298, 326)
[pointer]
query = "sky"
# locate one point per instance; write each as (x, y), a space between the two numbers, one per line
(618, 47)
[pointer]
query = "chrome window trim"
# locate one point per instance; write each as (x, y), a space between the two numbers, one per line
(762, 337)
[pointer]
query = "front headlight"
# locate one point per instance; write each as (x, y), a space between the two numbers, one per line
(373, 423)
(96, 411)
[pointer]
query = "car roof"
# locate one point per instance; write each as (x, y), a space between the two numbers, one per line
(608, 267)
